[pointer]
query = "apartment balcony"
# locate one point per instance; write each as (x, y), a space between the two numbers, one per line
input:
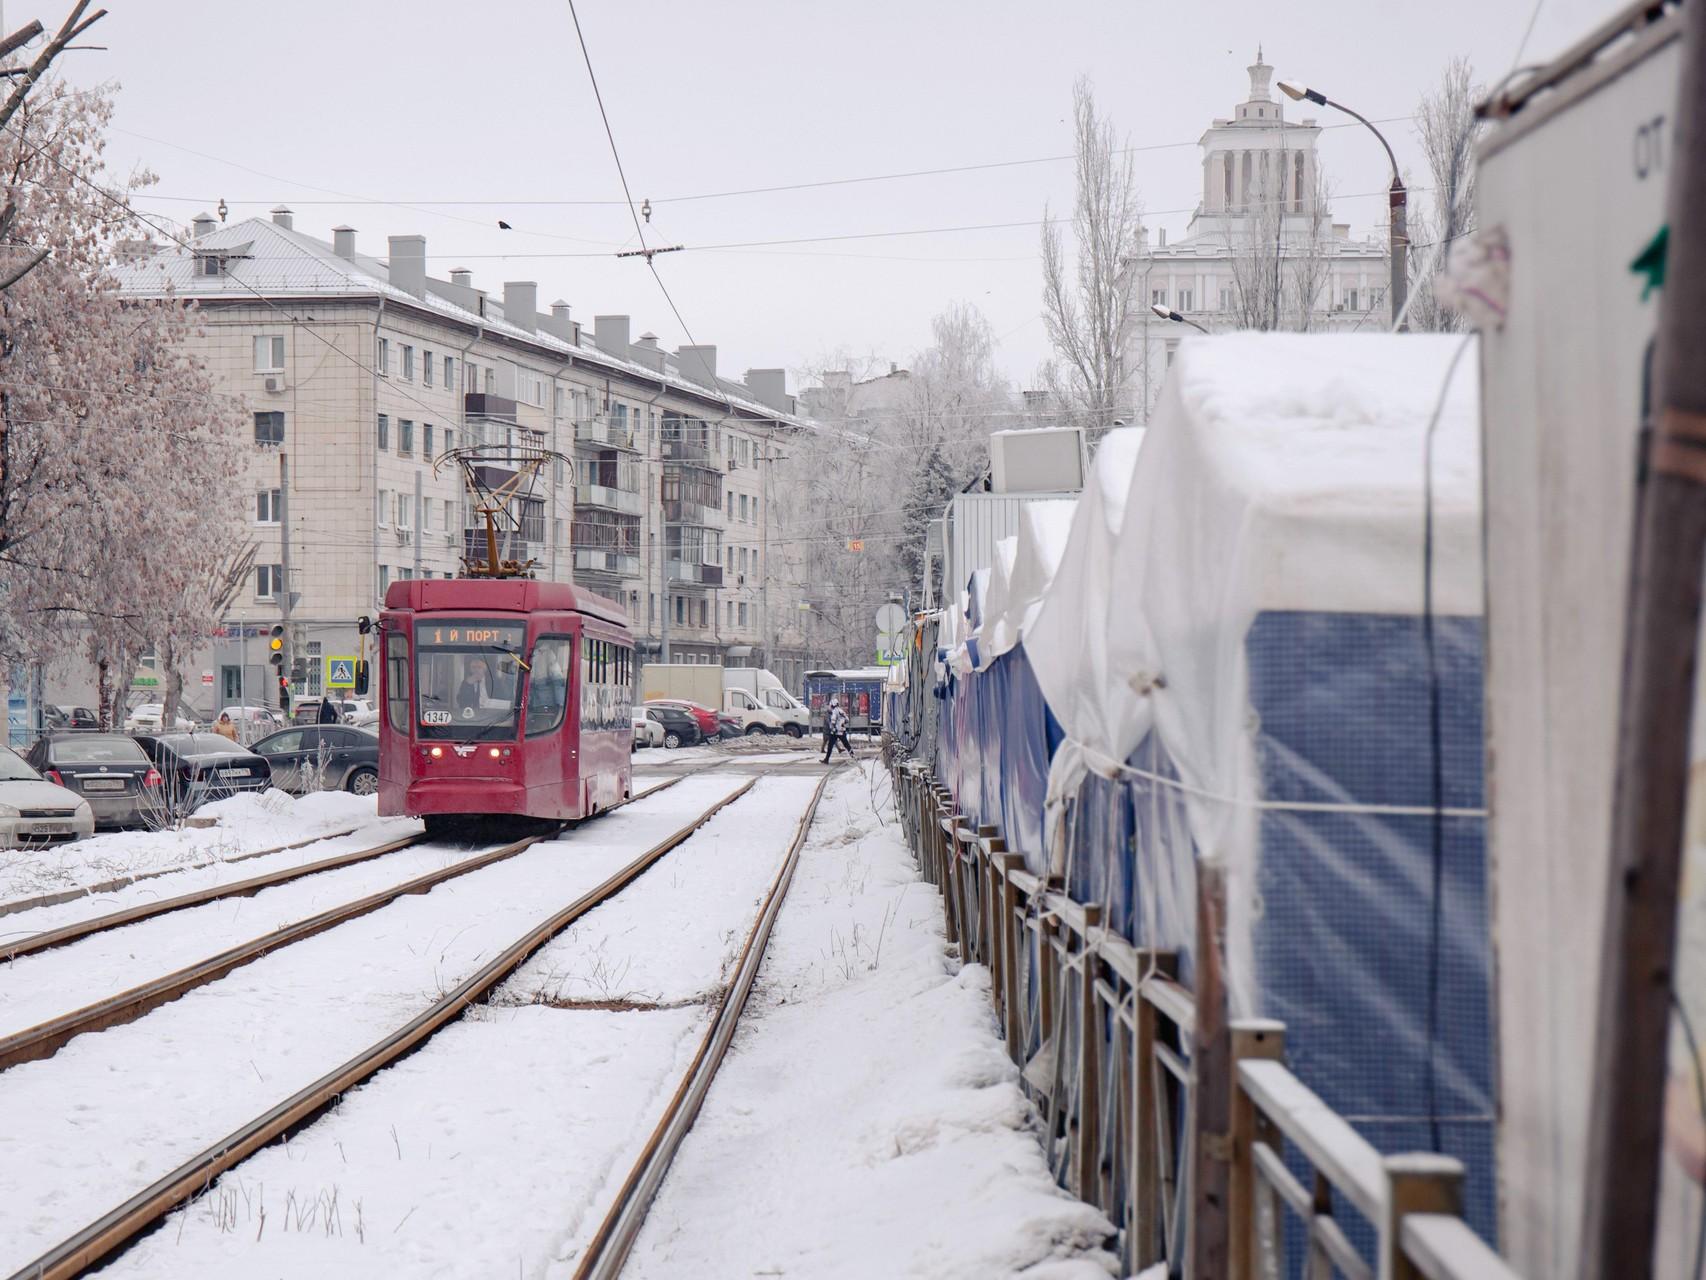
(478, 404)
(607, 434)
(683, 511)
(610, 499)
(688, 451)
(614, 564)
(683, 573)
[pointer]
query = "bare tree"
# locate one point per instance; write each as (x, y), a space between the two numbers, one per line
(1446, 123)
(1309, 268)
(1087, 307)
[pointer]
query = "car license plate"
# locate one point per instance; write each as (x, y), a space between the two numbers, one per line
(103, 784)
(50, 829)
(233, 773)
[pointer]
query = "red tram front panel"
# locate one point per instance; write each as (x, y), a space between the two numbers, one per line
(502, 698)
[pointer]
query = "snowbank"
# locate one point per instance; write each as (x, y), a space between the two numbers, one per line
(867, 1103)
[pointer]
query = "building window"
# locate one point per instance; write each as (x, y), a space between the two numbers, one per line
(491, 381)
(450, 373)
(449, 439)
(384, 432)
(731, 499)
(729, 614)
(1158, 297)
(269, 354)
(384, 508)
(1226, 299)
(426, 433)
(403, 513)
(743, 508)
(426, 368)
(405, 574)
(385, 581)
(384, 356)
(1186, 297)
(405, 435)
(269, 579)
(1351, 300)
(269, 428)
(267, 504)
(704, 613)
(408, 363)
(1172, 350)
(208, 264)
(743, 615)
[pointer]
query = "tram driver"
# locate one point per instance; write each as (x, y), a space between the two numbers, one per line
(476, 692)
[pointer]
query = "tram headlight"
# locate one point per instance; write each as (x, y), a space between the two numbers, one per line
(436, 752)
(495, 753)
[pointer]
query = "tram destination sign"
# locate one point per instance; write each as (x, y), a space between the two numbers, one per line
(502, 635)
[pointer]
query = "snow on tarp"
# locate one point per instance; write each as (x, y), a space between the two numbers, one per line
(995, 599)
(1240, 663)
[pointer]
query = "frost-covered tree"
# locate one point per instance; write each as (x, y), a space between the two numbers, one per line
(115, 451)
(1087, 305)
(1447, 127)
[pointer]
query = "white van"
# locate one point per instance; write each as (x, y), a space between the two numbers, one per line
(764, 692)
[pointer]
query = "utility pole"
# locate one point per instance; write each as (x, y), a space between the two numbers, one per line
(1637, 953)
(417, 522)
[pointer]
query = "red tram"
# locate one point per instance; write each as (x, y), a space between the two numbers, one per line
(502, 697)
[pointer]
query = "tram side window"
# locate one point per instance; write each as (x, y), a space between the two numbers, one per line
(606, 676)
(397, 682)
(548, 696)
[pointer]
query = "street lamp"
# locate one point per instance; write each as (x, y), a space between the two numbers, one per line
(1174, 316)
(1396, 198)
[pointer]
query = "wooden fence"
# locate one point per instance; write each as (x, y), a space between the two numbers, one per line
(1107, 1041)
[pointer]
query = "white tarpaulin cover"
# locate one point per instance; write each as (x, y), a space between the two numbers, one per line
(995, 598)
(1037, 550)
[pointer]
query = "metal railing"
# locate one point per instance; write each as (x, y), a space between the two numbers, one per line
(1105, 1038)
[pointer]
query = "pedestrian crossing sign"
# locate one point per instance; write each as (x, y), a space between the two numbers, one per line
(340, 673)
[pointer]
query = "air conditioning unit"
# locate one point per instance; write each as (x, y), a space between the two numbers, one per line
(1041, 460)
(275, 385)
(405, 536)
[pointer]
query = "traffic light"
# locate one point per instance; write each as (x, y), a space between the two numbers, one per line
(284, 692)
(277, 659)
(277, 642)
(360, 676)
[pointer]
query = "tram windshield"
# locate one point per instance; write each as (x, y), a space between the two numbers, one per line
(468, 677)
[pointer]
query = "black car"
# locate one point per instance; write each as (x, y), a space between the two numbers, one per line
(109, 770)
(680, 729)
(58, 716)
(198, 767)
(323, 757)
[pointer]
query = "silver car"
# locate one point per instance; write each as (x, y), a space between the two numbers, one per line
(34, 811)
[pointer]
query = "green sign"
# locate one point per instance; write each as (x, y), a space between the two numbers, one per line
(145, 682)
(340, 672)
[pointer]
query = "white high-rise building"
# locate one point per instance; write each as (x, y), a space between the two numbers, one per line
(1261, 250)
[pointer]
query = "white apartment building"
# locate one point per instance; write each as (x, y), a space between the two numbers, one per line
(1262, 213)
(359, 373)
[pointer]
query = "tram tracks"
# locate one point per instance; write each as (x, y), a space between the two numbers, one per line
(112, 1230)
(46, 1038)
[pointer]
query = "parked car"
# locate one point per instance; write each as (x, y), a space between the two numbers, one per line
(108, 770)
(647, 732)
(679, 727)
(730, 725)
(146, 719)
(709, 724)
(198, 767)
(323, 757)
(35, 811)
(60, 716)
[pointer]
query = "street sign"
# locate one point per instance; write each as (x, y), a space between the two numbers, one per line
(145, 682)
(855, 544)
(207, 678)
(340, 673)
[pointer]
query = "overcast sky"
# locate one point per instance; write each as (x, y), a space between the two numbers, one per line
(469, 111)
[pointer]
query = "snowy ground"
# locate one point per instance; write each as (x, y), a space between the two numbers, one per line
(497, 1145)
(112, 1111)
(867, 1121)
(867, 1105)
(244, 824)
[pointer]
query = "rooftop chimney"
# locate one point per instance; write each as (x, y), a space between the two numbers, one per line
(610, 333)
(698, 364)
(203, 223)
(558, 323)
(770, 386)
(647, 352)
(408, 263)
(462, 276)
(343, 242)
(282, 216)
(521, 304)
(1160, 237)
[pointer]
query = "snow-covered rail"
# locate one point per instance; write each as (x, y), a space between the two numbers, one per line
(616, 1234)
(112, 1230)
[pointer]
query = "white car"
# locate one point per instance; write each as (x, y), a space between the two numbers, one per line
(647, 732)
(146, 719)
(34, 811)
